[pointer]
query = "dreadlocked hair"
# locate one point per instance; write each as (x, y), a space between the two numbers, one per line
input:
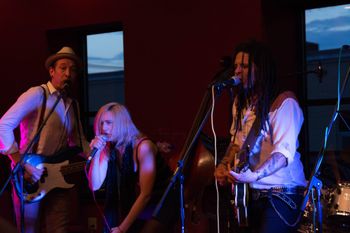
(262, 92)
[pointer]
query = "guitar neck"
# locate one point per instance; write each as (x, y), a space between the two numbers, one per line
(241, 161)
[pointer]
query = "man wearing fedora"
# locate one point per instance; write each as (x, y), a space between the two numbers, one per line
(61, 130)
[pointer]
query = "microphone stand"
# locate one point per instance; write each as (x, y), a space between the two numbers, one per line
(319, 71)
(18, 167)
(314, 183)
(200, 120)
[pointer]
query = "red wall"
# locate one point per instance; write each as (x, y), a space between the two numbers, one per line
(23, 42)
(172, 50)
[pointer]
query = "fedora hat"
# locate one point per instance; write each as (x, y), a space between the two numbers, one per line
(65, 52)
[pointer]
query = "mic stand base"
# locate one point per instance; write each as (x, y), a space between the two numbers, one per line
(178, 176)
(314, 190)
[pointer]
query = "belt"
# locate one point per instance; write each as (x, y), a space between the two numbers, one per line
(260, 193)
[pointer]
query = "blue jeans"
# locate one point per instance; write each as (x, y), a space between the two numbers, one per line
(269, 214)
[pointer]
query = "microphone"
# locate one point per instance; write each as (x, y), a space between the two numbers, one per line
(231, 82)
(67, 84)
(66, 87)
(319, 71)
(94, 150)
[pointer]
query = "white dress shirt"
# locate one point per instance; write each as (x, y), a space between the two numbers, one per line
(286, 121)
(61, 129)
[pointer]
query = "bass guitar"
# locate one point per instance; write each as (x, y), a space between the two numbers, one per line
(57, 169)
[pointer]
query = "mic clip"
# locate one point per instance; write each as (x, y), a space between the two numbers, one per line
(231, 82)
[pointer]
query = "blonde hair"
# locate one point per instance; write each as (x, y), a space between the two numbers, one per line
(124, 129)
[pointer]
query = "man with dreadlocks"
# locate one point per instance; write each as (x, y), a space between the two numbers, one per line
(274, 170)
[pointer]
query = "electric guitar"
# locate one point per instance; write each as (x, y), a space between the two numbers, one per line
(57, 171)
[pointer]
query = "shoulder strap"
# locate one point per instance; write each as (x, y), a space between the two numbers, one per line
(252, 135)
(249, 143)
(139, 143)
(141, 140)
(136, 150)
(41, 117)
(255, 131)
(280, 98)
(77, 117)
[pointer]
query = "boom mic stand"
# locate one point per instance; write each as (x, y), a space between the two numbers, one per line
(315, 184)
(318, 70)
(200, 120)
(18, 167)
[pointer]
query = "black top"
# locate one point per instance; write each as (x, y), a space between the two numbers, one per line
(122, 187)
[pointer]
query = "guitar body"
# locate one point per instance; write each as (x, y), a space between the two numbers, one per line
(55, 170)
(240, 190)
(241, 203)
(243, 160)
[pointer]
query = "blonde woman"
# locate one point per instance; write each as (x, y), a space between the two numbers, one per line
(125, 164)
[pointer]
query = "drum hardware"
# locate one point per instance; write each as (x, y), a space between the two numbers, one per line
(306, 225)
(334, 204)
(339, 206)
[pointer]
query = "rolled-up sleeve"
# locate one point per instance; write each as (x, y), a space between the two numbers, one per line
(26, 103)
(286, 122)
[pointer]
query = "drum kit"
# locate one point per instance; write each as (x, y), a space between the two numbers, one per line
(336, 211)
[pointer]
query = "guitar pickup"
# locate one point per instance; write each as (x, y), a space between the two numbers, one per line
(44, 175)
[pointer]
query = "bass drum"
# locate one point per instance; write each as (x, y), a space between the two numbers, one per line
(339, 205)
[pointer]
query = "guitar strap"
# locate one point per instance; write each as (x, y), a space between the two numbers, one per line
(77, 117)
(250, 141)
(41, 117)
(254, 132)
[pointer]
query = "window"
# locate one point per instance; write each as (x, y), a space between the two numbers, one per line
(101, 48)
(327, 29)
(105, 71)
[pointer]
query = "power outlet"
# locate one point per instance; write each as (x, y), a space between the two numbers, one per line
(92, 223)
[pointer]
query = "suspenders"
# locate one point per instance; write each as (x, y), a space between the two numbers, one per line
(42, 114)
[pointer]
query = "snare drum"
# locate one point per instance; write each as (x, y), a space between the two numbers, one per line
(339, 210)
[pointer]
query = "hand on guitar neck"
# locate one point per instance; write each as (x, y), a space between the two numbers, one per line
(221, 173)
